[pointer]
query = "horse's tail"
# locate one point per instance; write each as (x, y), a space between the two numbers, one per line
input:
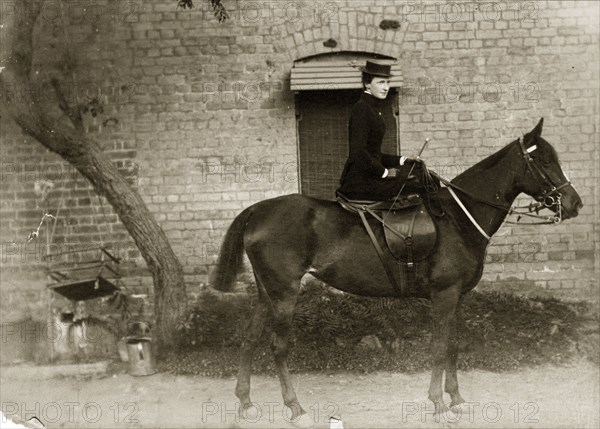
(231, 257)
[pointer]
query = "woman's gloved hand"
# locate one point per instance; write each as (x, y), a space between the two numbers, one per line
(393, 173)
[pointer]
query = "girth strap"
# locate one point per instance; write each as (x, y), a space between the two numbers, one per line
(397, 287)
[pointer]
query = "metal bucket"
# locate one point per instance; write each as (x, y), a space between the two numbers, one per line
(140, 356)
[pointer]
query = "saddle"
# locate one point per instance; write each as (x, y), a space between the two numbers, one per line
(409, 231)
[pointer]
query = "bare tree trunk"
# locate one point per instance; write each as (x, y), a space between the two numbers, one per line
(72, 144)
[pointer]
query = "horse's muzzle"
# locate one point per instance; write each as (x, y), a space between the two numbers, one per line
(573, 210)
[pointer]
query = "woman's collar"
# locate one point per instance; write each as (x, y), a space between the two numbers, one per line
(371, 99)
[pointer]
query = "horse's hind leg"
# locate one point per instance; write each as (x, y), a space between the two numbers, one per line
(280, 288)
(251, 340)
(283, 312)
(278, 271)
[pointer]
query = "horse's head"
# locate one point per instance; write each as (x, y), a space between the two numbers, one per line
(544, 179)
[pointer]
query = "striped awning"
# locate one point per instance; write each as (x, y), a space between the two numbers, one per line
(333, 75)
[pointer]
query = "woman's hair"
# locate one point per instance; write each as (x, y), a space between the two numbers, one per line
(366, 78)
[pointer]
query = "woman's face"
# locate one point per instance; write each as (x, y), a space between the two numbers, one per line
(379, 87)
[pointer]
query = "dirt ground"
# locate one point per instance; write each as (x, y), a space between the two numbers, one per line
(543, 397)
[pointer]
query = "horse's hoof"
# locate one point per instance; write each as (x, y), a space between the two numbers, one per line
(250, 413)
(441, 408)
(459, 408)
(303, 421)
(456, 400)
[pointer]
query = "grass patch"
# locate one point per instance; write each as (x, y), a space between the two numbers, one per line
(497, 332)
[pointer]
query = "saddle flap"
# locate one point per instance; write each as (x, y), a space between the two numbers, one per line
(410, 234)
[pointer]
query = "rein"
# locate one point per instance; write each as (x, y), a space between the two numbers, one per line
(469, 215)
(536, 207)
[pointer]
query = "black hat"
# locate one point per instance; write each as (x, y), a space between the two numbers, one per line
(375, 68)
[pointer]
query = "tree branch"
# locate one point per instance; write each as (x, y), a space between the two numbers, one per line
(72, 113)
(17, 34)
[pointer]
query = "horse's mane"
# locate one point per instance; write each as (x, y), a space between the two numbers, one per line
(486, 163)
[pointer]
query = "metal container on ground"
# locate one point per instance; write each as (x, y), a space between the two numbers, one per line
(140, 356)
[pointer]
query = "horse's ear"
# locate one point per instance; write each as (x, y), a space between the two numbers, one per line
(536, 132)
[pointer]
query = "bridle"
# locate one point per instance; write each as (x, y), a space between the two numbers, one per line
(549, 197)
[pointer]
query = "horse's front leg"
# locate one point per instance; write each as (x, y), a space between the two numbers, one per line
(451, 385)
(443, 313)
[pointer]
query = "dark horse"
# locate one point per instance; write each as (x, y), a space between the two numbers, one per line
(293, 235)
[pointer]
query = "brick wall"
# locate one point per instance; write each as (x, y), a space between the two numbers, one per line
(200, 117)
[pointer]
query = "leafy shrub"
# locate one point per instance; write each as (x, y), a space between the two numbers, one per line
(496, 332)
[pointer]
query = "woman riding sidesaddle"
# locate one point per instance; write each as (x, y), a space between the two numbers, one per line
(369, 174)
